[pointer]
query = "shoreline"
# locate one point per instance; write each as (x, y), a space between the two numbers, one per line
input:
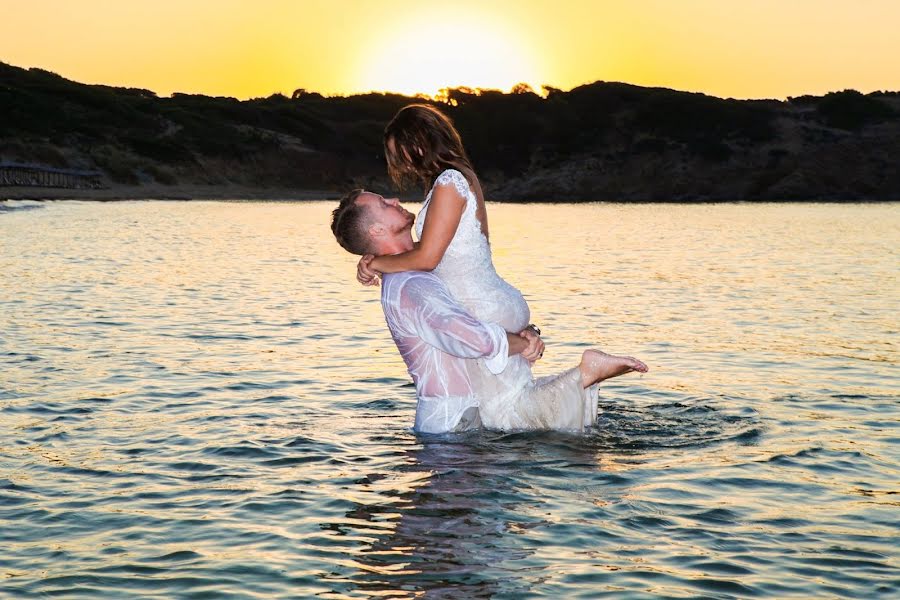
(186, 193)
(162, 192)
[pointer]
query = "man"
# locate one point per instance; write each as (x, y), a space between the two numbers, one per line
(460, 365)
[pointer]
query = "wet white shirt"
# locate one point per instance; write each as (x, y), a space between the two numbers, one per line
(437, 338)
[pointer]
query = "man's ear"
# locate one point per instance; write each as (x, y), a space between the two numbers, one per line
(377, 230)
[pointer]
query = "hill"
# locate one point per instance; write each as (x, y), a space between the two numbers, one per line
(602, 141)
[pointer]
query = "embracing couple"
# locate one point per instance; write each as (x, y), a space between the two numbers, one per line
(461, 329)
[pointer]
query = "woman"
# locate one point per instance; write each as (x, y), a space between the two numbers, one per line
(423, 146)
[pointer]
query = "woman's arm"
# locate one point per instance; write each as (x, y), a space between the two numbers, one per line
(444, 213)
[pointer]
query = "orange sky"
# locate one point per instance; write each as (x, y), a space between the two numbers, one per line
(244, 48)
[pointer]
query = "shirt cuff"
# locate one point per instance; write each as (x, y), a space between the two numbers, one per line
(497, 362)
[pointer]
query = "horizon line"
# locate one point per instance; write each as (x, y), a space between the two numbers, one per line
(543, 92)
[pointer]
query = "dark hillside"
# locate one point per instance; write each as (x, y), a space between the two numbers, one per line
(603, 141)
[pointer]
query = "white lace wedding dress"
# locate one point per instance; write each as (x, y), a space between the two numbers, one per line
(512, 399)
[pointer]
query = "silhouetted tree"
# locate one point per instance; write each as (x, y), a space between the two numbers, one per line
(549, 90)
(521, 88)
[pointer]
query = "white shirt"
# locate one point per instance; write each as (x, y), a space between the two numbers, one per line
(436, 338)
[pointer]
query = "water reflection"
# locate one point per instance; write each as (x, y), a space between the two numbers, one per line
(454, 510)
(449, 522)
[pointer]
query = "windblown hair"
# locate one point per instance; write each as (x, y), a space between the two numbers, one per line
(425, 144)
(349, 224)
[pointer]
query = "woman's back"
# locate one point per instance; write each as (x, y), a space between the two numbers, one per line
(466, 267)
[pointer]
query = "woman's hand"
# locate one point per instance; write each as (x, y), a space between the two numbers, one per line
(535, 349)
(365, 274)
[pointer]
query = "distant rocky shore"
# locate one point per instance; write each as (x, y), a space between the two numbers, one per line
(602, 141)
(154, 191)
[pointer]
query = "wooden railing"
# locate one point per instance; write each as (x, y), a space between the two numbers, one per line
(29, 175)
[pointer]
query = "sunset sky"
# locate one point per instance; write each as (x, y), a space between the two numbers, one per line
(250, 48)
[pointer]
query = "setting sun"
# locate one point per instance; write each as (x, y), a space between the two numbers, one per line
(436, 50)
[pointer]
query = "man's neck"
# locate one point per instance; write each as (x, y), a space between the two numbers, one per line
(399, 244)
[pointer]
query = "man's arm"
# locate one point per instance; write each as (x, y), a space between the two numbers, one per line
(441, 322)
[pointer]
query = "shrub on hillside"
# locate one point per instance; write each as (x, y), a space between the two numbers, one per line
(851, 110)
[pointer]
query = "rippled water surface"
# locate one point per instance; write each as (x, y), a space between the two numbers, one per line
(198, 401)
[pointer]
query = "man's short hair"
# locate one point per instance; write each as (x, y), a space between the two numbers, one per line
(350, 224)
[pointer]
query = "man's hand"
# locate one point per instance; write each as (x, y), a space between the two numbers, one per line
(535, 349)
(364, 273)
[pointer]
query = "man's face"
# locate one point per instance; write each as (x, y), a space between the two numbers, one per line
(386, 211)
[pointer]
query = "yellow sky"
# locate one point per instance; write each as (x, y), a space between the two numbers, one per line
(249, 48)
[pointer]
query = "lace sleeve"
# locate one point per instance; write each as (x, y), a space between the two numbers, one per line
(456, 179)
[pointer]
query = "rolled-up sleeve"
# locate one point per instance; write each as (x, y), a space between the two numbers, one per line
(441, 322)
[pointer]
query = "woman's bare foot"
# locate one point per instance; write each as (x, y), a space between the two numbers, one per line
(596, 366)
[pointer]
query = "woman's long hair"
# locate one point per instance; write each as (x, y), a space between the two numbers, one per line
(425, 143)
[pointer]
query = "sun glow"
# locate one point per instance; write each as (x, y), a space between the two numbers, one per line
(759, 49)
(440, 51)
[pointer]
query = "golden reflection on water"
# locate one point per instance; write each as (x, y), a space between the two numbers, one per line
(198, 335)
(751, 282)
(753, 298)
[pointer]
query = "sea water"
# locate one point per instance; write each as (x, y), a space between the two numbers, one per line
(197, 400)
